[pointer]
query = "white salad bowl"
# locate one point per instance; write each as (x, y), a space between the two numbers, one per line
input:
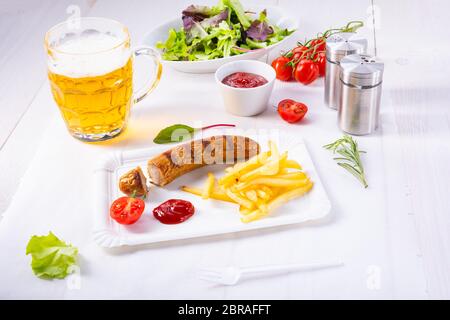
(246, 102)
(275, 15)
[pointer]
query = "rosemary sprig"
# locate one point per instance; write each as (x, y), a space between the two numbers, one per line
(349, 158)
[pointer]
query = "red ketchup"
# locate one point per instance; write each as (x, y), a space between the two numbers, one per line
(174, 211)
(244, 80)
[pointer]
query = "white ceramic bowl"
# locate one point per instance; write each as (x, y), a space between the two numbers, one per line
(275, 15)
(246, 102)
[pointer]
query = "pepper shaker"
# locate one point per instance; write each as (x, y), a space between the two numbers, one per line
(361, 77)
(338, 46)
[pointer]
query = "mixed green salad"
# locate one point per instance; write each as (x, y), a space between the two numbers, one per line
(220, 31)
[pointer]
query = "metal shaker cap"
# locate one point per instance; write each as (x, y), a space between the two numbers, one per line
(361, 70)
(342, 44)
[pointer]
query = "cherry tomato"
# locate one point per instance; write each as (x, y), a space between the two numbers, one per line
(319, 44)
(127, 210)
(291, 110)
(299, 53)
(321, 63)
(300, 49)
(306, 71)
(282, 69)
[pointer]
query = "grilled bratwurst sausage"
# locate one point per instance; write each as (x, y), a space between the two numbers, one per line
(184, 158)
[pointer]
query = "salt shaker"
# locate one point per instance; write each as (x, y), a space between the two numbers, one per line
(338, 46)
(361, 77)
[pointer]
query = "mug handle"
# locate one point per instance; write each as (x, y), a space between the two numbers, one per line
(153, 82)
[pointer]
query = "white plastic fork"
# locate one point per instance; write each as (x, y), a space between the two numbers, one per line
(231, 275)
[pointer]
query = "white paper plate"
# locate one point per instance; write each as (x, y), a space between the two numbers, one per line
(275, 15)
(211, 217)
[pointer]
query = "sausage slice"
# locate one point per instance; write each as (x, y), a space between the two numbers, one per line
(133, 183)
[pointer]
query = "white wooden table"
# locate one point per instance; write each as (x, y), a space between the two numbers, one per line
(394, 237)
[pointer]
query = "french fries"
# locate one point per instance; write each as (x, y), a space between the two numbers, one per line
(273, 182)
(259, 185)
(252, 195)
(214, 194)
(275, 203)
(209, 186)
(235, 172)
(271, 167)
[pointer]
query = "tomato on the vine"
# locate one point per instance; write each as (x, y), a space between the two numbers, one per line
(307, 61)
(321, 62)
(127, 210)
(319, 44)
(291, 110)
(306, 71)
(282, 68)
(300, 52)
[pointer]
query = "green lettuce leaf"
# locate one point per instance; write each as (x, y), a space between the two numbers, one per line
(227, 38)
(254, 44)
(278, 34)
(175, 47)
(51, 257)
(238, 9)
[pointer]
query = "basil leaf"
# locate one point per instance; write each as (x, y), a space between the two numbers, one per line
(174, 133)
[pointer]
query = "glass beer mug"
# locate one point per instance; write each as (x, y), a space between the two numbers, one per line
(90, 68)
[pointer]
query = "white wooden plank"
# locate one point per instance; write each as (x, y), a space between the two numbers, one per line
(319, 16)
(417, 86)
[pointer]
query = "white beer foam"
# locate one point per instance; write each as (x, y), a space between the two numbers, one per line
(89, 55)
